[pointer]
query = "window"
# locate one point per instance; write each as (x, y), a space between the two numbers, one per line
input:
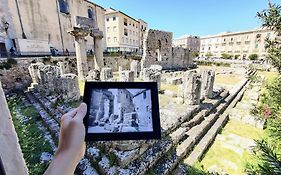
(90, 13)
(108, 39)
(126, 32)
(125, 22)
(108, 29)
(115, 39)
(114, 28)
(114, 18)
(126, 40)
(130, 41)
(107, 19)
(122, 39)
(64, 6)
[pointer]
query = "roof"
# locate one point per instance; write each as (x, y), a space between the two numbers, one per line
(117, 11)
(235, 33)
(88, 1)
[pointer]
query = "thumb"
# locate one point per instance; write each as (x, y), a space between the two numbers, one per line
(81, 112)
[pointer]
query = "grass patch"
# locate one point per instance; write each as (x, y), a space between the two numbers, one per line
(243, 130)
(227, 79)
(170, 87)
(31, 139)
(231, 158)
(164, 100)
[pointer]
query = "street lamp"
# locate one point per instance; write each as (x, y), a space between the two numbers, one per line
(6, 26)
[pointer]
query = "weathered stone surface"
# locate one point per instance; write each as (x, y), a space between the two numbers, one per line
(135, 67)
(84, 22)
(106, 74)
(191, 89)
(208, 79)
(69, 87)
(127, 76)
(64, 67)
(158, 50)
(10, 151)
(93, 75)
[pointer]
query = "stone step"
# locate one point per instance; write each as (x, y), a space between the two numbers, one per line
(146, 161)
(195, 134)
(84, 166)
(49, 122)
(48, 106)
(208, 139)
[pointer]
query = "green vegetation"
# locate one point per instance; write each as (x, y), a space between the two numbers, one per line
(112, 159)
(8, 64)
(226, 56)
(209, 54)
(271, 19)
(236, 56)
(227, 153)
(253, 56)
(209, 63)
(31, 140)
(268, 150)
(195, 54)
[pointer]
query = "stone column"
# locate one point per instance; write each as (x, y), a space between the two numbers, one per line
(81, 55)
(191, 88)
(127, 76)
(208, 79)
(106, 74)
(99, 63)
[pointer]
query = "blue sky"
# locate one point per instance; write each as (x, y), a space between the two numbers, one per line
(195, 17)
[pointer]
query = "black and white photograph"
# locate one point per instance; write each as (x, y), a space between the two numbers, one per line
(115, 110)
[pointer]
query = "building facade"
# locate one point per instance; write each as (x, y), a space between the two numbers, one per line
(237, 44)
(123, 32)
(188, 42)
(47, 21)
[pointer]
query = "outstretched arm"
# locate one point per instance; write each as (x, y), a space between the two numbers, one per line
(71, 147)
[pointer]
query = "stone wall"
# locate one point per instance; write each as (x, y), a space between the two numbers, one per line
(158, 50)
(10, 151)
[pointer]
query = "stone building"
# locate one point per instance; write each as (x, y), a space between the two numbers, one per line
(188, 42)
(158, 50)
(238, 44)
(124, 33)
(47, 21)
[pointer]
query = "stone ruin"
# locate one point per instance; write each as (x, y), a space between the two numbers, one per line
(84, 27)
(106, 74)
(208, 80)
(48, 80)
(153, 74)
(158, 50)
(135, 67)
(190, 91)
(127, 76)
(93, 75)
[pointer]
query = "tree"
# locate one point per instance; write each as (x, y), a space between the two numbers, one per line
(271, 19)
(253, 56)
(268, 151)
(195, 54)
(236, 56)
(209, 54)
(226, 56)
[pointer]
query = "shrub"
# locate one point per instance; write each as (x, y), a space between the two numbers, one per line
(253, 56)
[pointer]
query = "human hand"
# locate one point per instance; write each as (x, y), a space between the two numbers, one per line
(71, 147)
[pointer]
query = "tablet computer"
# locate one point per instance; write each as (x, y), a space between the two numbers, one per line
(121, 111)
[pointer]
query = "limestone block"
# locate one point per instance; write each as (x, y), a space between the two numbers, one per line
(192, 88)
(127, 76)
(208, 79)
(70, 87)
(106, 74)
(93, 75)
(135, 67)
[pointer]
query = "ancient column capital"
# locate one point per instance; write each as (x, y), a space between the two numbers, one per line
(79, 33)
(96, 34)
